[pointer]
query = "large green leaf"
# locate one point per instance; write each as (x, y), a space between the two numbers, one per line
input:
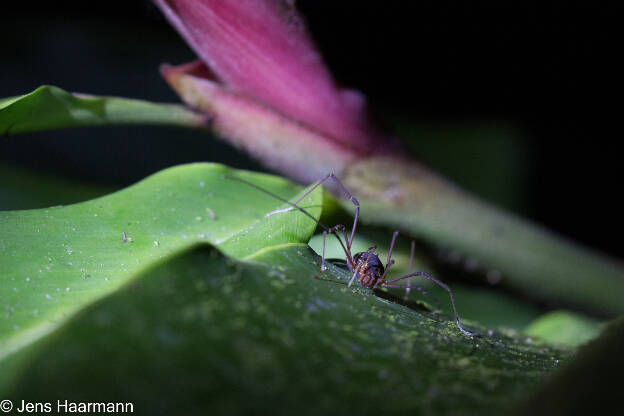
(204, 333)
(50, 107)
(122, 321)
(56, 260)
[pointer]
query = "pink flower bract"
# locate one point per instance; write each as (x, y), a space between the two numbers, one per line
(261, 49)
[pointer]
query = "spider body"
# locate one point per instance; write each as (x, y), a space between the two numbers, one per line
(368, 268)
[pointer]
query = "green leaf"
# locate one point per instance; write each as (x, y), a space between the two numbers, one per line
(261, 335)
(50, 107)
(57, 260)
(489, 307)
(565, 328)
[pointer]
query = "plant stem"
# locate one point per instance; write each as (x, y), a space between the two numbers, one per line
(403, 194)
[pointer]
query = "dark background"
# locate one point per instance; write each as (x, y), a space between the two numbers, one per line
(515, 100)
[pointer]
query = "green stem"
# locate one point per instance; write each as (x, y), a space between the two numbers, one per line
(402, 194)
(49, 107)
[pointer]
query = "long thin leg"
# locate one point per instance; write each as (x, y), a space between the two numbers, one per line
(411, 268)
(352, 278)
(389, 262)
(323, 268)
(349, 258)
(439, 283)
(418, 288)
(327, 230)
(346, 237)
(349, 196)
(347, 249)
(333, 230)
(279, 198)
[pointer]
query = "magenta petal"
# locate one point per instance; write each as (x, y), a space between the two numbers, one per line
(278, 141)
(261, 48)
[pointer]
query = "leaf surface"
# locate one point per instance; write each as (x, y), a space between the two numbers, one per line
(50, 107)
(56, 260)
(239, 323)
(263, 336)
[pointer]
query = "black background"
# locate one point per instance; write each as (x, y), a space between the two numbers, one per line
(546, 68)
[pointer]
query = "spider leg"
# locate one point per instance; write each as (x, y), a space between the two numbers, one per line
(347, 251)
(390, 262)
(419, 289)
(437, 282)
(411, 270)
(352, 278)
(323, 267)
(349, 241)
(327, 230)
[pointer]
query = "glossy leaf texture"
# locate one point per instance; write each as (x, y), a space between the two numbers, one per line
(262, 335)
(56, 260)
(49, 107)
(107, 293)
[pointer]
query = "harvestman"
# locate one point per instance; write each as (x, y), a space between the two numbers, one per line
(365, 266)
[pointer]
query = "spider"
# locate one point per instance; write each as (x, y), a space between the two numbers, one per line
(366, 266)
